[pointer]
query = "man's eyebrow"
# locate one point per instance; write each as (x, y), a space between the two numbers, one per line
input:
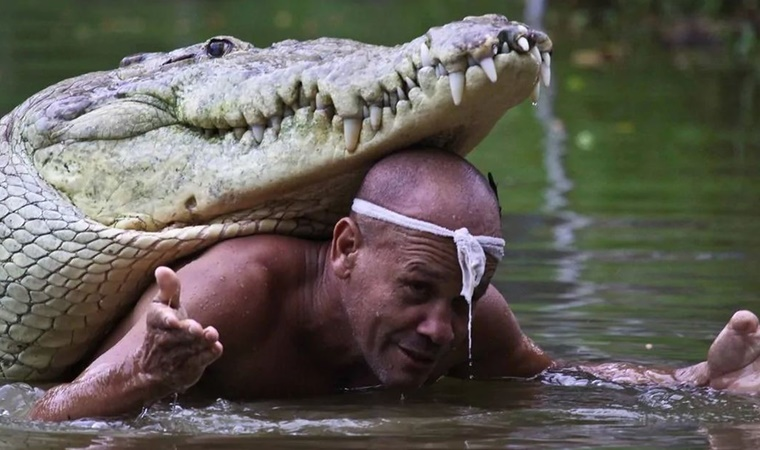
(425, 270)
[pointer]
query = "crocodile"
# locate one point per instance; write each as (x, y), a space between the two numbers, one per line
(110, 174)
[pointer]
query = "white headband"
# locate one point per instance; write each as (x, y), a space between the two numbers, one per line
(470, 249)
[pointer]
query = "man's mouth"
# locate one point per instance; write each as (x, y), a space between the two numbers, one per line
(418, 358)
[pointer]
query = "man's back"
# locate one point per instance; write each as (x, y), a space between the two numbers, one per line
(258, 292)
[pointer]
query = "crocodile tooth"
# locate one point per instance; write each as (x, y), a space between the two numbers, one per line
(275, 122)
(410, 83)
(258, 133)
(393, 100)
(375, 117)
(546, 68)
(505, 48)
(440, 70)
(489, 68)
(401, 94)
(365, 111)
(522, 29)
(239, 132)
(456, 81)
(536, 54)
(425, 57)
(352, 127)
(523, 43)
(320, 102)
(536, 93)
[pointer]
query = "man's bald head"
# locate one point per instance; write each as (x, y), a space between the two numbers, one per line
(435, 186)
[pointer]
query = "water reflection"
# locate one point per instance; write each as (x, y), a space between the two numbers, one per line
(569, 410)
(570, 265)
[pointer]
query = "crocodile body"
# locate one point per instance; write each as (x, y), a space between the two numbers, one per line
(108, 175)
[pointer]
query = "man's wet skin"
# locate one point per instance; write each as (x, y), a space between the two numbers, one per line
(379, 304)
(412, 279)
(733, 357)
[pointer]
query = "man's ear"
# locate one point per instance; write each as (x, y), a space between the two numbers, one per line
(346, 241)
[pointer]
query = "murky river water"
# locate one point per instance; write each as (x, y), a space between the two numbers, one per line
(631, 211)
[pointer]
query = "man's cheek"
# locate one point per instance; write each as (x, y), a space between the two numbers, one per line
(461, 328)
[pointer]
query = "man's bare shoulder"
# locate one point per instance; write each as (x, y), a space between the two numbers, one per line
(264, 250)
(244, 280)
(499, 347)
(492, 313)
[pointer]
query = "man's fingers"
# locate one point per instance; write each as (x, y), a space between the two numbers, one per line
(161, 317)
(736, 348)
(194, 327)
(170, 321)
(210, 334)
(168, 287)
(744, 322)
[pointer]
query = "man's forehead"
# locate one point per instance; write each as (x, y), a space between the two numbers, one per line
(422, 252)
(451, 218)
(423, 243)
(396, 237)
(430, 237)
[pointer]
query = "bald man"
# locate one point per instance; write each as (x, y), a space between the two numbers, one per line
(386, 302)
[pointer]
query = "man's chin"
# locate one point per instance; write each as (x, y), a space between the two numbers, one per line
(399, 378)
(400, 370)
(405, 382)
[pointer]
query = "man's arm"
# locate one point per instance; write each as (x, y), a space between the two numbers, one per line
(161, 354)
(733, 362)
(501, 349)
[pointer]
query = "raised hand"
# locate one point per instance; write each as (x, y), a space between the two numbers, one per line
(176, 349)
(733, 360)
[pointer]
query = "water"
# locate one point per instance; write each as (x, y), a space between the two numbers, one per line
(631, 211)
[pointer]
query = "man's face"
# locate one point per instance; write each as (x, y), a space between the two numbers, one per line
(405, 306)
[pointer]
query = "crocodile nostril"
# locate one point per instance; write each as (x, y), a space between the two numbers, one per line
(191, 203)
(503, 37)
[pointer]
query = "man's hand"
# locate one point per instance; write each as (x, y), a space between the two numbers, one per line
(176, 349)
(172, 353)
(733, 361)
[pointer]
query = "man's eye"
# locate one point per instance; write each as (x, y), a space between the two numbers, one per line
(417, 287)
(417, 290)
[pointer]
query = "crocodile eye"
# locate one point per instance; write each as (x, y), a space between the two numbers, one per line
(218, 47)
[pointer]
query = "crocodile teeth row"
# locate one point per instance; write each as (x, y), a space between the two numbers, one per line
(457, 79)
(352, 126)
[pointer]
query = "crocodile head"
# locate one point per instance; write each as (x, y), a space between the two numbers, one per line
(198, 134)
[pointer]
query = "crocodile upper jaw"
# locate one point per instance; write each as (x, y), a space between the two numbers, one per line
(186, 136)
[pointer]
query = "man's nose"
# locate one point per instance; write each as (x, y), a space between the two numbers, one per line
(437, 324)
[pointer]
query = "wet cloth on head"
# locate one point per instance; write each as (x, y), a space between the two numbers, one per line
(471, 249)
